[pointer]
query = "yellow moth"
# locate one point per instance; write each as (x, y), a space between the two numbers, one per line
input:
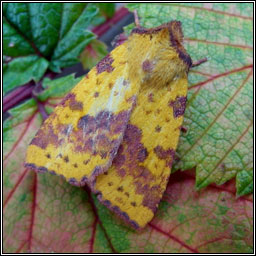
(118, 128)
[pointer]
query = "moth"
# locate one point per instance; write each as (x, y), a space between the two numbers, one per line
(118, 128)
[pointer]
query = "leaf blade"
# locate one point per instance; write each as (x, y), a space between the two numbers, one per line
(22, 70)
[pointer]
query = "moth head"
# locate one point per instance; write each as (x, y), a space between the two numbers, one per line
(157, 54)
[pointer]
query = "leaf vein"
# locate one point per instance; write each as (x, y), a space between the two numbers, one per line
(219, 114)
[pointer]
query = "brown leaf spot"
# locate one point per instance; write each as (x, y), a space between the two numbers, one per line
(75, 165)
(133, 204)
(96, 94)
(127, 194)
(48, 155)
(110, 183)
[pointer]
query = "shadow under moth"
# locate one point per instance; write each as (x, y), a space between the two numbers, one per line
(118, 128)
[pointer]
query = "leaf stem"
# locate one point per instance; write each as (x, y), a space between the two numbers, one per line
(24, 92)
(19, 94)
(199, 62)
(41, 108)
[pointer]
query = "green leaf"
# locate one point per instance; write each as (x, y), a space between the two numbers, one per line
(244, 184)
(72, 44)
(57, 87)
(71, 12)
(14, 44)
(18, 15)
(53, 31)
(45, 31)
(219, 115)
(23, 69)
(107, 9)
(93, 53)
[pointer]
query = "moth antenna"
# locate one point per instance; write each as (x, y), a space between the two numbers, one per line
(199, 62)
(136, 18)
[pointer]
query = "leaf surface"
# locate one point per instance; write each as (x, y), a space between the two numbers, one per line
(38, 36)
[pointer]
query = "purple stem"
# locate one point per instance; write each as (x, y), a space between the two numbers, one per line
(17, 95)
(41, 108)
(103, 28)
(24, 92)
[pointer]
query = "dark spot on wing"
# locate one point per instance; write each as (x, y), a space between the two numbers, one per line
(158, 128)
(147, 66)
(105, 65)
(133, 204)
(178, 105)
(66, 159)
(167, 155)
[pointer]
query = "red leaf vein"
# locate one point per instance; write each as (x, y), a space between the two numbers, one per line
(173, 238)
